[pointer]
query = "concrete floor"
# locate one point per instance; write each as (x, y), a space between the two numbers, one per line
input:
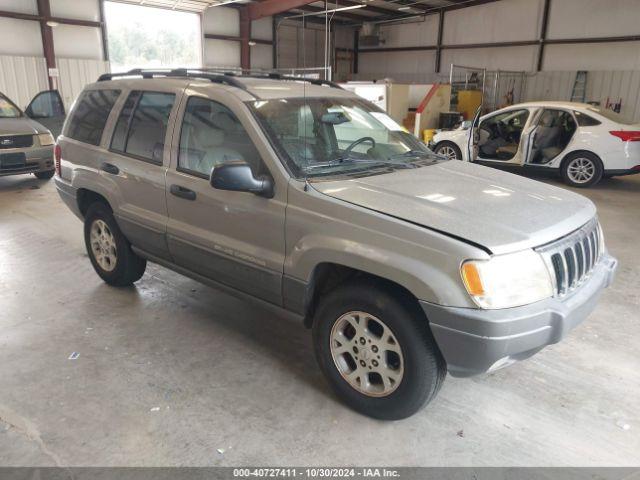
(171, 371)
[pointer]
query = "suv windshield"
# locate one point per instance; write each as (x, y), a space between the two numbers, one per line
(337, 136)
(8, 109)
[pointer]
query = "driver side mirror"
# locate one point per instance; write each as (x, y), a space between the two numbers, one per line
(238, 177)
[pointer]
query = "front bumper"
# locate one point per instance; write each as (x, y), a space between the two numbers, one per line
(475, 341)
(37, 159)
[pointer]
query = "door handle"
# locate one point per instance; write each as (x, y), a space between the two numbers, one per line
(182, 192)
(110, 168)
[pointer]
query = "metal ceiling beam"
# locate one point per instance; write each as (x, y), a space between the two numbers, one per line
(369, 7)
(543, 33)
(44, 10)
(43, 18)
(345, 15)
(267, 8)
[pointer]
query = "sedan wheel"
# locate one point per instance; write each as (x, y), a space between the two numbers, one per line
(581, 170)
(449, 151)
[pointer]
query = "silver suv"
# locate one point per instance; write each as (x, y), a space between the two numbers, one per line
(297, 193)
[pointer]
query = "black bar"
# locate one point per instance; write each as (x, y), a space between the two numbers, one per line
(543, 33)
(439, 45)
(356, 47)
(274, 41)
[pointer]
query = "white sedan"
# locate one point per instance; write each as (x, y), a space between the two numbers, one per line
(581, 142)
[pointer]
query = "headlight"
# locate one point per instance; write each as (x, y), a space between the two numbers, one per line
(46, 139)
(506, 281)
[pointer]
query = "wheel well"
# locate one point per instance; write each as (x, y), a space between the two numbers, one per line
(87, 197)
(329, 276)
(577, 152)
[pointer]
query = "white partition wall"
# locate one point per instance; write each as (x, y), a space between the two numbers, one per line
(22, 77)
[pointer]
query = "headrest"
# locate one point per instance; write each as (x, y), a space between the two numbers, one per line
(205, 137)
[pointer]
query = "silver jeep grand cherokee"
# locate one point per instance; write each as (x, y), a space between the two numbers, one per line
(303, 196)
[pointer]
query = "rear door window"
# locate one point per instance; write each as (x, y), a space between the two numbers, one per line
(91, 114)
(142, 126)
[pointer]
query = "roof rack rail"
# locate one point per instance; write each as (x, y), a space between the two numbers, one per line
(279, 76)
(222, 78)
(270, 74)
(214, 75)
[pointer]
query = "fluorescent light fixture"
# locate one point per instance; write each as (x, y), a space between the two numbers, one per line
(251, 43)
(52, 24)
(404, 8)
(324, 12)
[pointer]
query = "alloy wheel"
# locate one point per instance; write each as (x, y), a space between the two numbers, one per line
(103, 245)
(367, 354)
(448, 152)
(581, 170)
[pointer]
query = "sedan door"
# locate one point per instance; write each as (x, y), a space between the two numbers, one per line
(503, 138)
(233, 238)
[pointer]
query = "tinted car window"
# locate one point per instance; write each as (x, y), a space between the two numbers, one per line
(142, 125)
(91, 114)
(212, 135)
(46, 105)
(586, 120)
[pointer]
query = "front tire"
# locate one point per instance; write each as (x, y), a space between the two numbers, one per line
(449, 150)
(375, 348)
(109, 251)
(44, 175)
(581, 170)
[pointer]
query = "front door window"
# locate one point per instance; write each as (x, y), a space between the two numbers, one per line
(499, 135)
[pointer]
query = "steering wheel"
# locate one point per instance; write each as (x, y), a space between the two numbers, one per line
(359, 141)
(501, 131)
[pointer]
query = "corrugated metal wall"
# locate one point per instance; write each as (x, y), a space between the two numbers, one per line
(22, 77)
(75, 74)
(615, 85)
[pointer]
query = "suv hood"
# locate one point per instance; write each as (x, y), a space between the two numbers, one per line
(500, 211)
(20, 126)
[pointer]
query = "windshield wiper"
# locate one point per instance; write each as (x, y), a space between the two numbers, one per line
(393, 161)
(343, 161)
(413, 154)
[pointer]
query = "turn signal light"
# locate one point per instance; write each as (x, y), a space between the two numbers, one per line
(57, 156)
(471, 278)
(627, 135)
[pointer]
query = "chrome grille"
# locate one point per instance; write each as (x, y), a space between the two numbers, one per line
(573, 258)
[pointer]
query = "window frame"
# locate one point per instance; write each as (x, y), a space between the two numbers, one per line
(129, 120)
(74, 110)
(195, 173)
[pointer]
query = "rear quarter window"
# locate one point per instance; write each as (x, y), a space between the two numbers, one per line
(90, 115)
(585, 120)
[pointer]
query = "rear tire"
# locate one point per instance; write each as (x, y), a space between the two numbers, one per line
(44, 175)
(108, 249)
(581, 169)
(349, 362)
(449, 150)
